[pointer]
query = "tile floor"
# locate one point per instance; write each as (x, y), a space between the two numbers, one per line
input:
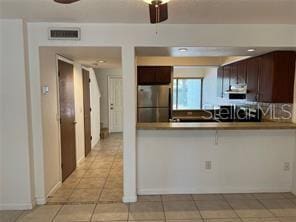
(93, 193)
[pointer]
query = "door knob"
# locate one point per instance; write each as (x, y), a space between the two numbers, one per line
(74, 122)
(111, 108)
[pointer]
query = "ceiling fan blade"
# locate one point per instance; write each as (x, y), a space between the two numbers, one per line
(158, 13)
(66, 1)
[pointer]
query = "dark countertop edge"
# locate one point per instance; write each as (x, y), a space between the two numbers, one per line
(217, 126)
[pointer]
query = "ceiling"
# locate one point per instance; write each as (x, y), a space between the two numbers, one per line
(136, 11)
(89, 56)
(205, 51)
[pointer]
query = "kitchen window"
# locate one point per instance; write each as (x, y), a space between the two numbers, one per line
(187, 93)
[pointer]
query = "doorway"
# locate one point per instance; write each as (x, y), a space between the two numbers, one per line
(67, 118)
(87, 111)
(115, 104)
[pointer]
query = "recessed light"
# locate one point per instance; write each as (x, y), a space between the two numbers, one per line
(101, 61)
(183, 49)
(251, 50)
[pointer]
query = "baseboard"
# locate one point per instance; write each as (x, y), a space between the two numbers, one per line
(131, 199)
(40, 200)
(54, 189)
(212, 190)
(17, 206)
(80, 160)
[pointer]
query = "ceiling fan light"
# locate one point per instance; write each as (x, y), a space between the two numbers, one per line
(151, 1)
(66, 1)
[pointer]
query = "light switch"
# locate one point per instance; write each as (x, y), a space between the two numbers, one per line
(45, 90)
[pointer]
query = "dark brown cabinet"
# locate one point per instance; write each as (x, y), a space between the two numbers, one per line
(253, 71)
(154, 75)
(226, 78)
(277, 77)
(220, 82)
(233, 74)
(269, 77)
(242, 72)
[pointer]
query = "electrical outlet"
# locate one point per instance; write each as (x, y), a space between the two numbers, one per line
(208, 165)
(287, 166)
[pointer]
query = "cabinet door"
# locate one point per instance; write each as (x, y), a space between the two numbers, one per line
(283, 77)
(253, 71)
(220, 82)
(233, 74)
(226, 78)
(163, 74)
(242, 72)
(266, 78)
(146, 75)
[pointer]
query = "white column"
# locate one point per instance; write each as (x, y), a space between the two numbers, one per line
(129, 124)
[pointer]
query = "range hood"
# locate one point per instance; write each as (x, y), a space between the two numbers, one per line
(237, 89)
(238, 92)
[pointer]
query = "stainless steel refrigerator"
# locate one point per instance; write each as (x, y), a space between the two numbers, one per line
(154, 103)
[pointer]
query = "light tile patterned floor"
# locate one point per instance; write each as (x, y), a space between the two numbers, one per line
(94, 191)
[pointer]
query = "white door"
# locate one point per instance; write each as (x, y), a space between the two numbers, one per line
(115, 104)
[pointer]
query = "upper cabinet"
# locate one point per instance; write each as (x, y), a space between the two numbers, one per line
(242, 72)
(226, 78)
(220, 82)
(154, 75)
(269, 77)
(253, 72)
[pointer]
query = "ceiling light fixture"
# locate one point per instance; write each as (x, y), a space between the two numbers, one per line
(251, 50)
(101, 61)
(156, 2)
(183, 49)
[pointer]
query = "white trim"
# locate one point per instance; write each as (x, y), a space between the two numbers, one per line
(24, 206)
(54, 189)
(41, 200)
(64, 59)
(80, 161)
(213, 190)
(131, 199)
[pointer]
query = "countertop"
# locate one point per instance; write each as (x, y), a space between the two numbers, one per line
(216, 126)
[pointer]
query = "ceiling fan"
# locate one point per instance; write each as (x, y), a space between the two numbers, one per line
(158, 10)
(66, 1)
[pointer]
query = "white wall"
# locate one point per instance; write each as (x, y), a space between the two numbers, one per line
(209, 75)
(242, 161)
(50, 117)
(102, 78)
(16, 181)
(95, 97)
(79, 112)
(128, 36)
(50, 121)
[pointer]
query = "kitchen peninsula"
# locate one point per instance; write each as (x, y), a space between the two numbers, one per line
(227, 155)
(180, 158)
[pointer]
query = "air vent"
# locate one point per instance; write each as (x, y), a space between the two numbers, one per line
(64, 34)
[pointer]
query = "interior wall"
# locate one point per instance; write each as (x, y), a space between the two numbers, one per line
(50, 119)
(16, 187)
(128, 36)
(181, 169)
(102, 78)
(209, 75)
(50, 116)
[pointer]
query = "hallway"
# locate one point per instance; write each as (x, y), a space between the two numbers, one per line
(97, 179)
